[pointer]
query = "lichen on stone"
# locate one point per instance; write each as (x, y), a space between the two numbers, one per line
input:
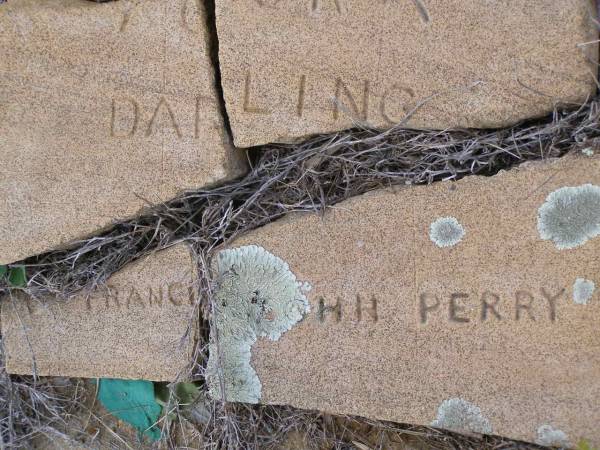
(256, 296)
(446, 232)
(570, 216)
(460, 415)
(583, 290)
(233, 369)
(552, 437)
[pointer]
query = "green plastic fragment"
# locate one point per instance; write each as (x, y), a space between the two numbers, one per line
(3, 271)
(17, 276)
(133, 402)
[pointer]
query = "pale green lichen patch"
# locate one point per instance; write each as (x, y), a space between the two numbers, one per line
(570, 216)
(551, 437)
(446, 232)
(587, 151)
(256, 296)
(460, 415)
(583, 290)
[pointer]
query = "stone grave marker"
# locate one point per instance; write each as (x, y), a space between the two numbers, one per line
(470, 305)
(135, 327)
(105, 108)
(292, 68)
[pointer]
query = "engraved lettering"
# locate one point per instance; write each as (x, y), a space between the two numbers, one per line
(489, 301)
(172, 291)
(300, 104)
(126, 15)
(422, 10)
(113, 293)
(134, 297)
(400, 92)
(247, 106)
(520, 298)
(341, 88)
(185, 16)
(455, 308)
(127, 131)
(371, 310)
(163, 101)
(552, 301)
(155, 299)
(316, 5)
(425, 307)
(323, 309)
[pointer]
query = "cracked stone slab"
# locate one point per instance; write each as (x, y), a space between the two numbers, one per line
(453, 63)
(106, 108)
(480, 336)
(135, 327)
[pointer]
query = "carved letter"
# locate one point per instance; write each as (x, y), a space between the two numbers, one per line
(372, 310)
(114, 293)
(163, 101)
(456, 308)
(133, 122)
(194, 29)
(128, 10)
(155, 299)
(520, 296)
(300, 104)
(424, 307)
(316, 5)
(178, 289)
(552, 301)
(136, 297)
(340, 88)
(247, 107)
(323, 309)
(382, 106)
(489, 305)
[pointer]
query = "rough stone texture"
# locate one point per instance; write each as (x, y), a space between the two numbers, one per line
(474, 63)
(540, 368)
(133, 328)
(105, 107)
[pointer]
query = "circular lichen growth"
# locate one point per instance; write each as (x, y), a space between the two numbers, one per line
(256, 295)
(570, 216)
(446, 232)
(460, 415)
(583, 290)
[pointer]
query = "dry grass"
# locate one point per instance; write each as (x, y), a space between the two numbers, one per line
(309, 176)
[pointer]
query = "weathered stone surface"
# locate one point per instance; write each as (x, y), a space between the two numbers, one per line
(105, 107)
(486, 326)
(465, 63)
(132, 328)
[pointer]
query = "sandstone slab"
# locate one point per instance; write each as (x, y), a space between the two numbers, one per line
(474, 327)
(106, 108)
(136, 327)
(292, 68)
